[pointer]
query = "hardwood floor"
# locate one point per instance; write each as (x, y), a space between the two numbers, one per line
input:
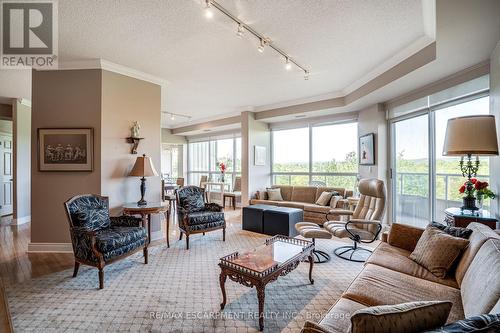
(16, 265)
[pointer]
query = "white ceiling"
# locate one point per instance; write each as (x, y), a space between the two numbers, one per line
(211, 73)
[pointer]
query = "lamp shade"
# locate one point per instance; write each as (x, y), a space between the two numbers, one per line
(474, 135)
(143, 167)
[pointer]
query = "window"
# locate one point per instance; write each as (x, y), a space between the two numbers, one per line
(311, 155)
(425, 182)
(205, 156)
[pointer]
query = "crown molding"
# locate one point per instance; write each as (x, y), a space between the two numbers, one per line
(111, 67)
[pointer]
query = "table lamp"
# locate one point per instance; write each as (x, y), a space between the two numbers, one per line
(468, 136)
(143, 168)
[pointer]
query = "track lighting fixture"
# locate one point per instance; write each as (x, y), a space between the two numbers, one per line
(208, 10)
(263, 41)
(241, 30)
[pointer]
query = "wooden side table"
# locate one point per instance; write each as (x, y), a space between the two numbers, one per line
(146, 211)
(455, 217)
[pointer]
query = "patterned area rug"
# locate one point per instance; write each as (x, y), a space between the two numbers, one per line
(178, 291)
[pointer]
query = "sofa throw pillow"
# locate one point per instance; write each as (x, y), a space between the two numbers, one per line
(324, 199)
(335, 200)
(454, 231)
(482, 323)
(401, 318)
(436, 250)
(274, 194)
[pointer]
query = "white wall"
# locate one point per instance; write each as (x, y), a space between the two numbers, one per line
(495, 110)
(22, 162)
(254, 178)
(373, 120)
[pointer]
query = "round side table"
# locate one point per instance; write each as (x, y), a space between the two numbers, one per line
(145, 211)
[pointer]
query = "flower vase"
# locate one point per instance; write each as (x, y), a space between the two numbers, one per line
(480, 201)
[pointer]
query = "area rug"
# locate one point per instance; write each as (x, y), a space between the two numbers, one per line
(178, 291)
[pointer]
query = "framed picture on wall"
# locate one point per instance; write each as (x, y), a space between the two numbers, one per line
(259, 155)
(366, 149)
(65, 149)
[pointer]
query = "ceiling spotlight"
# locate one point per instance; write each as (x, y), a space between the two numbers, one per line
(306, 75)
(172, 116)
(261, 46)
(288, 64)
(208, 10)
(241, 30)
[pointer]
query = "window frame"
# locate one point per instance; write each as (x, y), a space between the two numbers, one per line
(310, 173)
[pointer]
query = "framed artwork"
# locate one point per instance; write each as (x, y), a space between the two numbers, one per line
(65, 149)
(259, 155)
(367, 149)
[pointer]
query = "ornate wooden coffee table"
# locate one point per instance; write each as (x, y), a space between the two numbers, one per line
(256, 268)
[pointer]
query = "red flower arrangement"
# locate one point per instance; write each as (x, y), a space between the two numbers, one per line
(222, 167)
(481, 189)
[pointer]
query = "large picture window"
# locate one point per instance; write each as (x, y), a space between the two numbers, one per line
(313, 156)
(425, 182)
(205, 156)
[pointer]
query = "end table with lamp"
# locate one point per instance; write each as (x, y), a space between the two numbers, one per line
(143, 168)
(469, 136)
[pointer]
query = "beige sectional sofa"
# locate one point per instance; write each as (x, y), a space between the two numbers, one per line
(304, 197)
(391, 277)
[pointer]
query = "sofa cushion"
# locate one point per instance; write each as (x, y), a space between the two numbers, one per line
(274, 194)
(481, 284)
(116, 237)
(480, 234)
(399, 260)
(334, 201)
(454, 231)
(316, 208)
(400, 318)
(338, 318)
(324, 199)
(204, 217)
(377, 285)
(320, 189)
(304, 194)
(482, 323)
(286, 191)
(404, 236)
(291, 204)
(437, 250)
(264, 202)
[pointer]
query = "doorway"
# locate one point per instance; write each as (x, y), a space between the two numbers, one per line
(6, 169)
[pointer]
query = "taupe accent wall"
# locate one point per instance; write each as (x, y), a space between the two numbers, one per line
(108, 103)
(125, 100)
(69, 98)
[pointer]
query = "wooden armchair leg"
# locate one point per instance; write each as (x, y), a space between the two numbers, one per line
(187, 241)
(101, 278)
(180, 236)
(224, 234)
(145, 251)
(75, 271)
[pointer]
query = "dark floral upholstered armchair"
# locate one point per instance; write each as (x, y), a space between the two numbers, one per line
(195, 216)
(99, 239)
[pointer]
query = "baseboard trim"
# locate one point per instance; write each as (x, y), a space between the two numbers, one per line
(21, 220)
(50, 247)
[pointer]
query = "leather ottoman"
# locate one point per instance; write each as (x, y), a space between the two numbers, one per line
(282, 220)
(253, 217)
